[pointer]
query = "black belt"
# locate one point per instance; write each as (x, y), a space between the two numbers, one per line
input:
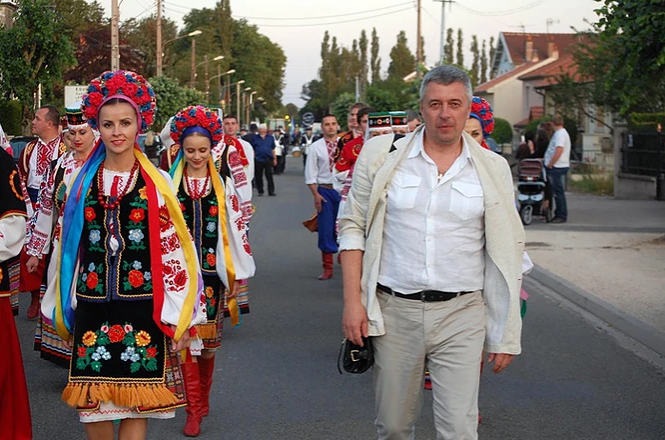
(424, 295)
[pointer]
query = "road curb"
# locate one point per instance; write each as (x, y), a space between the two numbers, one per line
(643, 333)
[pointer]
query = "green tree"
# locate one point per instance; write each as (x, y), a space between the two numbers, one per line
(375, 61)
(475, 64)
(492, 54)
(402, 61)
(483, 64)
(381, 99)
(362, 45)
(503, 132)
(623, 56)
(459, 55)
(340, 107)
(78, 16)
(142, 35)
(34, 51)
(448, 50)
(171, 98)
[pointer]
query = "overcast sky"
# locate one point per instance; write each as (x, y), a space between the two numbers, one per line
(284, 22)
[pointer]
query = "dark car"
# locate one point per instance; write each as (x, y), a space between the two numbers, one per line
(18, 144)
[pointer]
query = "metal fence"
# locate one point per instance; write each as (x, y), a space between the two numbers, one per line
(643, 154)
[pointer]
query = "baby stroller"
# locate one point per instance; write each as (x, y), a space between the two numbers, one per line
(532, 191)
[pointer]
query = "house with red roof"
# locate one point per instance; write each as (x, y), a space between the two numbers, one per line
(518, 54)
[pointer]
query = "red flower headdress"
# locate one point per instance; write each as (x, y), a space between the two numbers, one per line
(481, 110)
(197, 116)
(121, 83)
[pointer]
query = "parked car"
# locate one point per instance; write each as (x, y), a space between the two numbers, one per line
(18, 144)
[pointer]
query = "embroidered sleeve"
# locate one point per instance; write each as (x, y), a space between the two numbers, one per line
(241, 251)
(42, 220)
(12, 234)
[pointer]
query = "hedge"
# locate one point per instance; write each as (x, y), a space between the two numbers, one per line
(11, 117)
(646, 122)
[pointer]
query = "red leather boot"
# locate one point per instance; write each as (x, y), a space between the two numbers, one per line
(33, 308)
(327, 266)
(191, 376)
(206, 370)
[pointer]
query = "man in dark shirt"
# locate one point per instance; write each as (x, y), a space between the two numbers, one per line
(264, 159)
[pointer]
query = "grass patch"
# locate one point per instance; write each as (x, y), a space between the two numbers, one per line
(601, 186)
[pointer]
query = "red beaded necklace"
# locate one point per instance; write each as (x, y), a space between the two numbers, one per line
(100, 183)
(193, 190)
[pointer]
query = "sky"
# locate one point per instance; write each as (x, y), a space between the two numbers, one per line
(295, 26)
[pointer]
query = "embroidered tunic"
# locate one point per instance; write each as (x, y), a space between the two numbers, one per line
(202, 217)
(116, 339)
(47, 225)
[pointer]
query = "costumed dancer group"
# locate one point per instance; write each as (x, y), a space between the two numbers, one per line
(142, 265)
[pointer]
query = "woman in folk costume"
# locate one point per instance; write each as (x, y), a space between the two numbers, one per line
(129, 286)
(212, 212)
(45, 237)
(15, 415)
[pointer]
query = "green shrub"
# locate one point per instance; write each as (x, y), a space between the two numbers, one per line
(11, 117)
(646, 122)
(503, 132)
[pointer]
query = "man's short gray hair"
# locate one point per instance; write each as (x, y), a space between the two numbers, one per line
(446, 75)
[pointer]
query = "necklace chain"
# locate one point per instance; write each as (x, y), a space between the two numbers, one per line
(193, 187)
(100, 190)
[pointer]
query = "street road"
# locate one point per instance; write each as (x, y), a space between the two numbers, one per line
(276, 376)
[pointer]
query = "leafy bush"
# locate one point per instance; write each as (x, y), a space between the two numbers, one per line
(11, 117)
(646, 122)
(569, 124)
(340, 108)
(171, 98)
(503, 132)
(382, 100)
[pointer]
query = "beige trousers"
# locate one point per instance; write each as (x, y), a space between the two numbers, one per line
(449, 336)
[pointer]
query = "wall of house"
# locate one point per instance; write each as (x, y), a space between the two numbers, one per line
(531, 98)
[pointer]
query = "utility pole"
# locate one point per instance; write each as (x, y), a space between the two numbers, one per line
(419, 45)
(115, 44)
(159, 38)
(206, 80)
(443, 29)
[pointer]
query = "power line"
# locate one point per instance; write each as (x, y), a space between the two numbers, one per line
(335, 22)
(500, 13)
(303, 18)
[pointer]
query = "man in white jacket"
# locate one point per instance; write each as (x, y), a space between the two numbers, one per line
(432, 258)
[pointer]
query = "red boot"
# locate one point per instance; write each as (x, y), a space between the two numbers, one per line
(327, 266)
(33, 308)
(206, 369)
(191, 376)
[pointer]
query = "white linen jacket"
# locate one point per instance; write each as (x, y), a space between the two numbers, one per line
(361, 227)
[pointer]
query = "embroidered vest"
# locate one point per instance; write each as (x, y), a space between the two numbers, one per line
(125, 274)
(202, 216)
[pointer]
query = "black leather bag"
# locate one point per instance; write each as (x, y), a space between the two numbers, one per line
(354, 358)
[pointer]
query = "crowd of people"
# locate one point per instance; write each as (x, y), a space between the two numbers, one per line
(421, 212)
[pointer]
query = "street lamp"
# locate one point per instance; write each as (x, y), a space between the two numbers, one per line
(207, 84)
(219, 75)
(160, 45)
(244, 104)
(242, 81)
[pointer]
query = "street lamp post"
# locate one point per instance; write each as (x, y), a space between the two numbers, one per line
(250, 106)
(160, 54)
(217, 58)
(244, 104)
(221, 81)
(242, 81)
(192, 83)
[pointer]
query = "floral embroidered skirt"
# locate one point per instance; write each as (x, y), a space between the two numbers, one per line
(121, 362)
(211, 331)
(47, 341)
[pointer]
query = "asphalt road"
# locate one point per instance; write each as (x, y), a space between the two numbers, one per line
(276, 376)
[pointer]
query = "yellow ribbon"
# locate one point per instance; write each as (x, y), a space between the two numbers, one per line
(191, 259)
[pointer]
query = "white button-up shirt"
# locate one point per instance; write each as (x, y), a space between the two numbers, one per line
(434, 234)
(318, 169)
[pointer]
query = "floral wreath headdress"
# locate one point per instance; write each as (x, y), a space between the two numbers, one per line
(482, 111)
(196, 119)
(123, 84)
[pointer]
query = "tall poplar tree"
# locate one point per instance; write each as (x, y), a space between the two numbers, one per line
(491, 60)
(483, 64)
(362, 45)
(375, 62)
(448, 50)
(459, 56)
(475, 64)
(402, 60)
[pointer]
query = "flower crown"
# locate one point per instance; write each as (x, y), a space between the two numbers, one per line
(481, 110)
(197, 116)
(120, 82)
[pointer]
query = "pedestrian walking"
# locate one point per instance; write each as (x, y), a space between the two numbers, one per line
(306, 140)
(432, 252)
(45, 237)
(129, 286)
(557, 161)
(280, 151)
(213, 215)
(265, 159)
(15, 415)
(319, 178)
(33, 163)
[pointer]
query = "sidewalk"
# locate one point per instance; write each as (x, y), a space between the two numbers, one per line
(612, 249)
